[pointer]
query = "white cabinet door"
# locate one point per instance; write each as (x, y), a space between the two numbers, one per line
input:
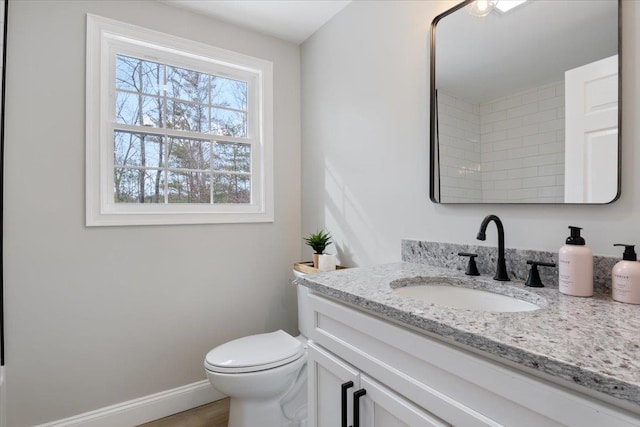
(327, 375)
(332, 381)
(381, 407)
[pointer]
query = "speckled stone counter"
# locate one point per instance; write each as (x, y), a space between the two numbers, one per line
(446, 255)
(592, 342)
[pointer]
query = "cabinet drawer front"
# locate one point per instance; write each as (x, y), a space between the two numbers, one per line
(455, 385)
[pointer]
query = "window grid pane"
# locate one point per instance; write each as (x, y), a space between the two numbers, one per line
(231, 188)
(139, 185)
(152, 168)
(158, 95)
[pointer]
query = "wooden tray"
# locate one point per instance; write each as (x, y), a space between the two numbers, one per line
(307, 267)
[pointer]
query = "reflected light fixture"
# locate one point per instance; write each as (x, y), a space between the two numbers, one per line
(484, 7)
(481, 7)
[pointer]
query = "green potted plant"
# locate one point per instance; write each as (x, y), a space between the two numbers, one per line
(318, 242)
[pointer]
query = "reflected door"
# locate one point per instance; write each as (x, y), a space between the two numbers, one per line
(591, 139)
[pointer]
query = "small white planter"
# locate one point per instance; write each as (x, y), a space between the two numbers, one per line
(326, 262)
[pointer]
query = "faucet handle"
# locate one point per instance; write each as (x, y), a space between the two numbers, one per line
(534, 276)
(472, 268)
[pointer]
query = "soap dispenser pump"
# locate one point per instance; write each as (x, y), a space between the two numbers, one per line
(625, 277)
(575, 266)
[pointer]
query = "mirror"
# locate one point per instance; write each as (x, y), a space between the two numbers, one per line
(524, 102)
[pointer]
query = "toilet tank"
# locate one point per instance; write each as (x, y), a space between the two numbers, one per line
(303, 307)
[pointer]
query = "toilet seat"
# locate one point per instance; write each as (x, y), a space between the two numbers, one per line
(254, 353)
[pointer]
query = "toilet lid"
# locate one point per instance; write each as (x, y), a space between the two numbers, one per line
(254, 353)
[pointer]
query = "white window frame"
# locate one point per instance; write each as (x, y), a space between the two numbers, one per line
(105, 39)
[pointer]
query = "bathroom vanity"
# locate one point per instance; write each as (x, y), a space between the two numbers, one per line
(380, 358)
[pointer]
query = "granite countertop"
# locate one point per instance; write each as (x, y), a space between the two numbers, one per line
(592, 342)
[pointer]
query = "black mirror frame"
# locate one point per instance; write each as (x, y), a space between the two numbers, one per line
(2, 125)
(434, 159)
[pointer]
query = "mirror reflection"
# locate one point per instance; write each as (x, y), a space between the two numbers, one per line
(525, 102)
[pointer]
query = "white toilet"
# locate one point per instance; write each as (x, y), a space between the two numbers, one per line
(265, 376)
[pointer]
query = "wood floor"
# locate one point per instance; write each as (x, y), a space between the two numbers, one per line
(214, 414)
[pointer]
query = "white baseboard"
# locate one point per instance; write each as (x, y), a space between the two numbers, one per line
(144, 409)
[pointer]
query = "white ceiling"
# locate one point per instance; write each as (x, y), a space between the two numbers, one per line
(292, 20)
(484, 58)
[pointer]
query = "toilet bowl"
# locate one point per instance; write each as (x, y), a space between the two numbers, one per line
(264, 375)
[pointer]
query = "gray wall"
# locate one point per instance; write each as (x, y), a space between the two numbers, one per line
(365, 143)
(98, 316)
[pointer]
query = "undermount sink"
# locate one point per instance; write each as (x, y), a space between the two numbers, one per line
(457, 293)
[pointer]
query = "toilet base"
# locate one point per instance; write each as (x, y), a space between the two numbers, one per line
(244, 413)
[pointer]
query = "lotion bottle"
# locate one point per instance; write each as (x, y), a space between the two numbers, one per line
(625, 277)
(575, 266)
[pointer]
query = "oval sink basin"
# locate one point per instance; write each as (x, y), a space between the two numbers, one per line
(455, 293)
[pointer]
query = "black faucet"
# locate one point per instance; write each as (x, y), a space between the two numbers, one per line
(501, 270)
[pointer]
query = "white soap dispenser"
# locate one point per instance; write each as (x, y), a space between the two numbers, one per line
(575, 266)
(625, 277)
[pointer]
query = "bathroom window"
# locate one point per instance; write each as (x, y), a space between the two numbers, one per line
(178, 132)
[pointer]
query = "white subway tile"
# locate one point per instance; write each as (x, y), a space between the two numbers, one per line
(508, 184)
(471, 118)
(523, 193)
(538, 181)
(551, 170)
(557, 124)
(523, 131)
(546, 159)
(546, 93)
(530, 96)
(540, 138)
(486, 147)
(539, 117)
(507, 124)
(551, 191)
(486, 128)
(508, 164)
(473, 156)
(494, 136)
(487, 166)
(554, 147)
(551, 103)
(463, 105)
(471, 184)
(523, 152)
(493, 117)
(522, 173)
(494, 176)
(522, 110)
(453, 152)
(507, 103)
(507, 144)
(492, 199)
(488, 186)
(494, 155)
(471, 135)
